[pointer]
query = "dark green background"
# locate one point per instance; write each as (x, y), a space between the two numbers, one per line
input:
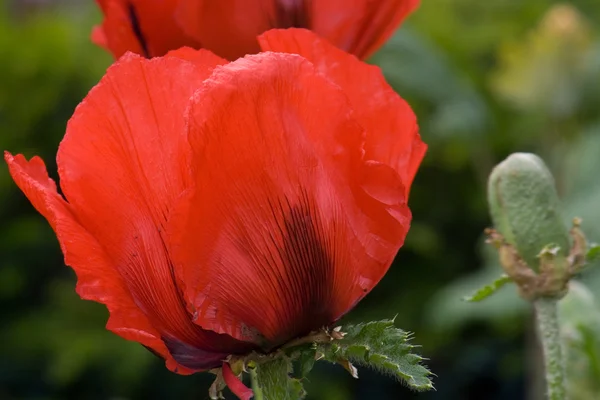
(485, 78)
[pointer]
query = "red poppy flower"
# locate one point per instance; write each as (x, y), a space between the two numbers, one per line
(230, 27)
(218, 208)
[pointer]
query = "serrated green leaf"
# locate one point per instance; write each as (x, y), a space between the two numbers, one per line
(382, 346)
(274, 379)
(488, 290)
(593, 253)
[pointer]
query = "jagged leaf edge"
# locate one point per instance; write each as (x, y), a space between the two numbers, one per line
(361, 347)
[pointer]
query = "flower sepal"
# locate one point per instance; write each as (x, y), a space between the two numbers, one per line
(554, 270)
(279, 375)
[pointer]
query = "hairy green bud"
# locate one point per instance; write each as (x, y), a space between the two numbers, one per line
(525, 208)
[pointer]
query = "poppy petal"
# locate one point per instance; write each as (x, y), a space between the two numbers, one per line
(234, 383)
(145, 27)
(201, 57)
(99, 37)
(97, 278)
(359, 27)
(392, 131)
(123, 163)
(282, 242)
(226, 27)
(116, 33)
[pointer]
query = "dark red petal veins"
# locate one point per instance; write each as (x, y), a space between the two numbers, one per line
(281, 241)
(97, 278)
(123, 163)
(235, 384)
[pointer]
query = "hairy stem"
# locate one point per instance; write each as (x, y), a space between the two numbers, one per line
(548, 330)
(258, 394)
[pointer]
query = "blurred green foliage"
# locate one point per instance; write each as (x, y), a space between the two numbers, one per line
(485, 78)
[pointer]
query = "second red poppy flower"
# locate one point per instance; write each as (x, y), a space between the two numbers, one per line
(230, 28)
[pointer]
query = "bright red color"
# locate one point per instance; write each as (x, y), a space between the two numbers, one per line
(218, 208)
(234, 383)
(229, 27)
(145, 27)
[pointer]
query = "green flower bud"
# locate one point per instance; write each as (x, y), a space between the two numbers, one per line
(525, 208)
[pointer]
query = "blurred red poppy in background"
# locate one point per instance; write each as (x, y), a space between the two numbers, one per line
(218, 208)
(145, 27)
(230, 28)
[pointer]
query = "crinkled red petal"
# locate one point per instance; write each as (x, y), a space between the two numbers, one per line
(123, 163)
(97, 277)
(288, 237)
(390, 124)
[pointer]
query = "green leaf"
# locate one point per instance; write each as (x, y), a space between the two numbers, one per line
(488, 290)
(382, 346)
(306, 361)
(274, 380)
(593, 253)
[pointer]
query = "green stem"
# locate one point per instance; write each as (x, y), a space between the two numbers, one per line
(258, 394)
(548, 330)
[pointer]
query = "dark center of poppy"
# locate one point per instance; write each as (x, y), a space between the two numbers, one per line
(292, 14)
(309, 258)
